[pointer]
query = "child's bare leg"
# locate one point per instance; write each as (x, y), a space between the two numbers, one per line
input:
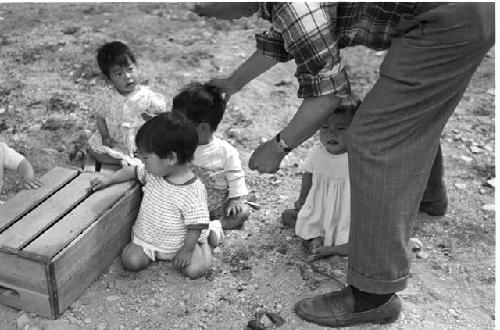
(216, 234)
(201, 260)
(134, 258)
(234, 222)
(326, 251)
(317, 242)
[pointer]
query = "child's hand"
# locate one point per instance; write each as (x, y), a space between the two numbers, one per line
(109, 142)
(183, 258)
(99, 183)
(30, 182)
(235, 206)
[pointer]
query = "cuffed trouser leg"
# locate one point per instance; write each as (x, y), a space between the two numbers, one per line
(394, 136)
(435, 189)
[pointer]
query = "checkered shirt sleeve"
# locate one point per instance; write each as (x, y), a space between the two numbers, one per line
(305, 32)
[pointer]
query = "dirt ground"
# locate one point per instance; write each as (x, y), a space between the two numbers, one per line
(50, 88)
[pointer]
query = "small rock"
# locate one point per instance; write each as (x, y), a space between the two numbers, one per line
(2, 110)
(112, 298)
(466, 159)
(23, 321)
(422, 255)
(461, 186)
(475, 149)
(266, 321)
(49, 151)
(488, 207)
(102, 326)
(491, 91)
(262, 140)
(87, 320)
(380, 53)
(491, 182)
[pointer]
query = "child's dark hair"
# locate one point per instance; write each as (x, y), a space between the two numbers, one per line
(201, 103)
(167, 133)
(114, 53)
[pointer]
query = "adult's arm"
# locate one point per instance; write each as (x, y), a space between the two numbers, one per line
(253, 67)
(312, 113)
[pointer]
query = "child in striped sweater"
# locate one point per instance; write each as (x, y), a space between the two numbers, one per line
(173, 221)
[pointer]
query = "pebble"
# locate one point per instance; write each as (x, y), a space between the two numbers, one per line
(491, 182)
(488, 207)
(102, 326)
(475, 149)
(461, 186)
(87, 320)
(112, 298)
(491, 91)
(466, 159)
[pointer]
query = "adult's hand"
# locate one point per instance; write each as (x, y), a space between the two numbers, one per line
(266, 158)
(226, 85)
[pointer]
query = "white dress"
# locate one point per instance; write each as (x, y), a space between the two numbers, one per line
(327, 209)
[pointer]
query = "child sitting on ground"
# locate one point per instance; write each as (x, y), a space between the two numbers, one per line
(322, 212)
(114, 142)
(173, 217)
(216, 162)
(14, 161)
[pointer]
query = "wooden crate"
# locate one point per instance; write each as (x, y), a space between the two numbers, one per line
(56, 240)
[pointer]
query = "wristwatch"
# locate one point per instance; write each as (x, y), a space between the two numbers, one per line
(282, 144)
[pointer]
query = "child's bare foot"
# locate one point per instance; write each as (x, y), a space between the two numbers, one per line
(327, 251)
(316, 243)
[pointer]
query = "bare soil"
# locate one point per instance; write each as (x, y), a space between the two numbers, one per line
(50, 89)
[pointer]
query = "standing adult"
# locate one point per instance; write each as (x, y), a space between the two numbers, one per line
(393, 141)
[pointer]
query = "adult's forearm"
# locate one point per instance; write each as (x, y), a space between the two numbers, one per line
(312, 113)
(253, 67)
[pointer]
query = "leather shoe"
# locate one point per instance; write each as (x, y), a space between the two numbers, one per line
(435, 208)
(336, 309)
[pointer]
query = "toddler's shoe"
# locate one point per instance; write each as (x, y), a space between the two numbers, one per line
(216, 234)
(289, 217)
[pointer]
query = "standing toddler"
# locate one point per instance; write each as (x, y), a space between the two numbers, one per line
(326, 178)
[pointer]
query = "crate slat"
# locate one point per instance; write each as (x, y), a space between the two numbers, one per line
(68, 228)
(26, 200)
(31, 225)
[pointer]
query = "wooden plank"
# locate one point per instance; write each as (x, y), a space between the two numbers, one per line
(27, 300)
(25, 200)
(44, 215)
(20, 272)
(95, 249)
(65, 230)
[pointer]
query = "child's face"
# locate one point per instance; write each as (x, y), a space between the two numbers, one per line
(155, 165)
(124, 78)
(332, 134)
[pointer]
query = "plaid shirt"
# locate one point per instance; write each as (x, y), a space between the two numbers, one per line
(312, 34)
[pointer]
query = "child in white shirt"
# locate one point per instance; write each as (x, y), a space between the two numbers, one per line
(215, 161)
(113, 143)
(14, 161)
(173, 218)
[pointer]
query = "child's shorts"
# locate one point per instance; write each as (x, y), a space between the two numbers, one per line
(155, 253)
